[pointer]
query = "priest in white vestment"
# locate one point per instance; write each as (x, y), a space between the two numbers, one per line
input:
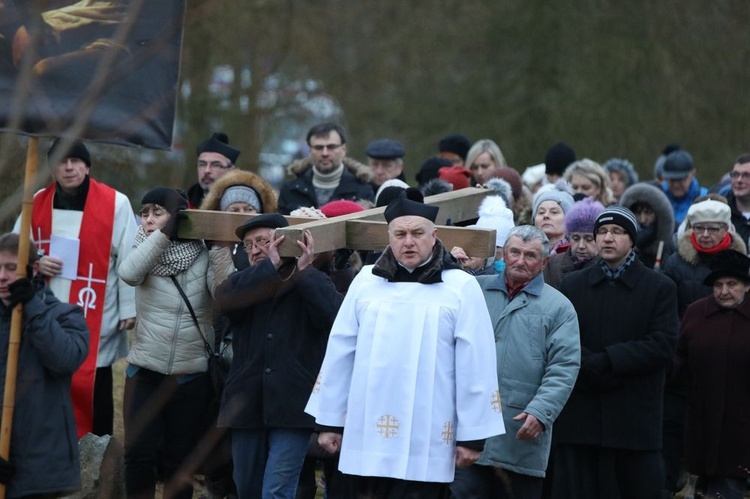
(408, 388)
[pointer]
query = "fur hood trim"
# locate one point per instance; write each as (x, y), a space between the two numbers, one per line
(360, 170)
(654, 197)
(688, 252)
(267, 195)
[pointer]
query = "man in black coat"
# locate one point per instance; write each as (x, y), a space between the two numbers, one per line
(281, 310)
(609, 433)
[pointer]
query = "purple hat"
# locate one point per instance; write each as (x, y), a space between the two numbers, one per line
(581, 217)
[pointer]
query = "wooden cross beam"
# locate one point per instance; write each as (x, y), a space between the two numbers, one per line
(365, 230)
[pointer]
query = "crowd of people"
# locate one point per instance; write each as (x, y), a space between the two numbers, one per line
(603, 351)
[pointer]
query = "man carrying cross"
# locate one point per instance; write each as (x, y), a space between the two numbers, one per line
(409, 370)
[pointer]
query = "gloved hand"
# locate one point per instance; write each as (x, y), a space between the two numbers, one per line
(596, 364)
(341, 259)
(21, 291)
(170, 228)
(7, 470)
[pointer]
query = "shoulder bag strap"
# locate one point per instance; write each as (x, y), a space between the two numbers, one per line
(209, 350)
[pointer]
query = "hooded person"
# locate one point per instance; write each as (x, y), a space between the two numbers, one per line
(655, 219)
(582, 253)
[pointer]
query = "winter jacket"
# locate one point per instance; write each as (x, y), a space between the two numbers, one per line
(713, 352)
(632, 321)
(280, 330)
(538, 355)
(648, 239)
(166, 338)
(688, 267)
(560, 265)
(741, 224)
(680, 205)
(54, 344)
(354, 185)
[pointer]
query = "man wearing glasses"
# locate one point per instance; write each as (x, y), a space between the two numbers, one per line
(215, 158)
(739, 197)
(326, 174)
(609, 434)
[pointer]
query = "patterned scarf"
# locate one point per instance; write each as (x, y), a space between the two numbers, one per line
(178, 256)
(615, 273)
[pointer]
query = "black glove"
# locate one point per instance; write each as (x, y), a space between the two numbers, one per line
(7, 470)
(170, 228)
(21, 291)
(341, 259)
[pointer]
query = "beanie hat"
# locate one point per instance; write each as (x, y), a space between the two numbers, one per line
(495, 214)
(513, 178)
(391, 182)
(501, 188)
(582, 216)
(562, 198)
(558, 158)
(219, 143)
(430, 168)
(533, 175)
(709, 211)
(76, 149)
(456, 144)
(340, 207)
(307, 212)
(240, 194)
(170, 199)
(624, 166)
(728, 263)
(621, 216)
(456, 175)
(435, 186)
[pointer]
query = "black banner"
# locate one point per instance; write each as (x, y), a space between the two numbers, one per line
(105, 70)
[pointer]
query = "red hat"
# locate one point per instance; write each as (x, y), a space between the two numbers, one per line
(340, 207)
(456, 175)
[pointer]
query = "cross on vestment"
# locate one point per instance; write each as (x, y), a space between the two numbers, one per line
(365, 230)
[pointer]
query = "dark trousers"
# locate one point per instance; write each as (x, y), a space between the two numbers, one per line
(163, 421)
(367, 487)
(589, 472)
(484, 482)
(104, 407)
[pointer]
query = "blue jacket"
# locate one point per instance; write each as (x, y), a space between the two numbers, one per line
(44, 445)
(538, 356)
(681, 205)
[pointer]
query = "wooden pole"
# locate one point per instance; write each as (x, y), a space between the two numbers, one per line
(14, 344)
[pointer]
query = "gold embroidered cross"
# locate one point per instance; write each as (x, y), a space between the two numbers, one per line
(495, 402)
(447, 432)
(316, 386)
(387, 426)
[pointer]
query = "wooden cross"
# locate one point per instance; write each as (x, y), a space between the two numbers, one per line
(365, 230)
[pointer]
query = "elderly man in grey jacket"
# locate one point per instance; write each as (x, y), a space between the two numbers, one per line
(538, 356)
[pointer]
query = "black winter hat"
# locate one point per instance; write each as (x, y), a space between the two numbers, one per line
(76, 149)
(618, 215)
(558, 158)
(172, 200)
(728, 263)
(457, 144)
(219, 142)
(430, 169)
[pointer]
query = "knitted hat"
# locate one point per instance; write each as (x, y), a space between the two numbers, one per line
(618, 215)
(392, 182)
(76, 149)
(456, 144)
(170, 199)
(430, 168)
(410, 203)
(456, 175)
(270, 220)
(241, 194)
(624, 166)
(558, 158)
(533, 175)
(340, 207)
(513, 178)
(495, 214)
(728, 263)
(709, 211)
(307, 212)
(562, 198)
(501, 188)
(219, 142)
(582, 216)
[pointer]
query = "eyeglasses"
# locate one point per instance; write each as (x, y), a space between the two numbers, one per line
(322, 147)
(617, 231)
(744, 175)
(258, 243)
(711, 229)
(214, 165)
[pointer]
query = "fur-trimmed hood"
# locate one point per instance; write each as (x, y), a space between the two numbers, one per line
(360, 170)
(646, 193)
(268, 196)
(687, 251)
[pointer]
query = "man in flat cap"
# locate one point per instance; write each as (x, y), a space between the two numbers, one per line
(76, 209)
(409, 374)
(326, 174)
(281, 311)
(215, 158)
(386, 158)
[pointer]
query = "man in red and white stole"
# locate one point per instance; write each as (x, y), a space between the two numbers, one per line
(75, 206)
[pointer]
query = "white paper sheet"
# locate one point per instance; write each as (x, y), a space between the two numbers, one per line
(67, 250)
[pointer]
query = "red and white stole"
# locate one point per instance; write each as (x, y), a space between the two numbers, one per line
(88, 290)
